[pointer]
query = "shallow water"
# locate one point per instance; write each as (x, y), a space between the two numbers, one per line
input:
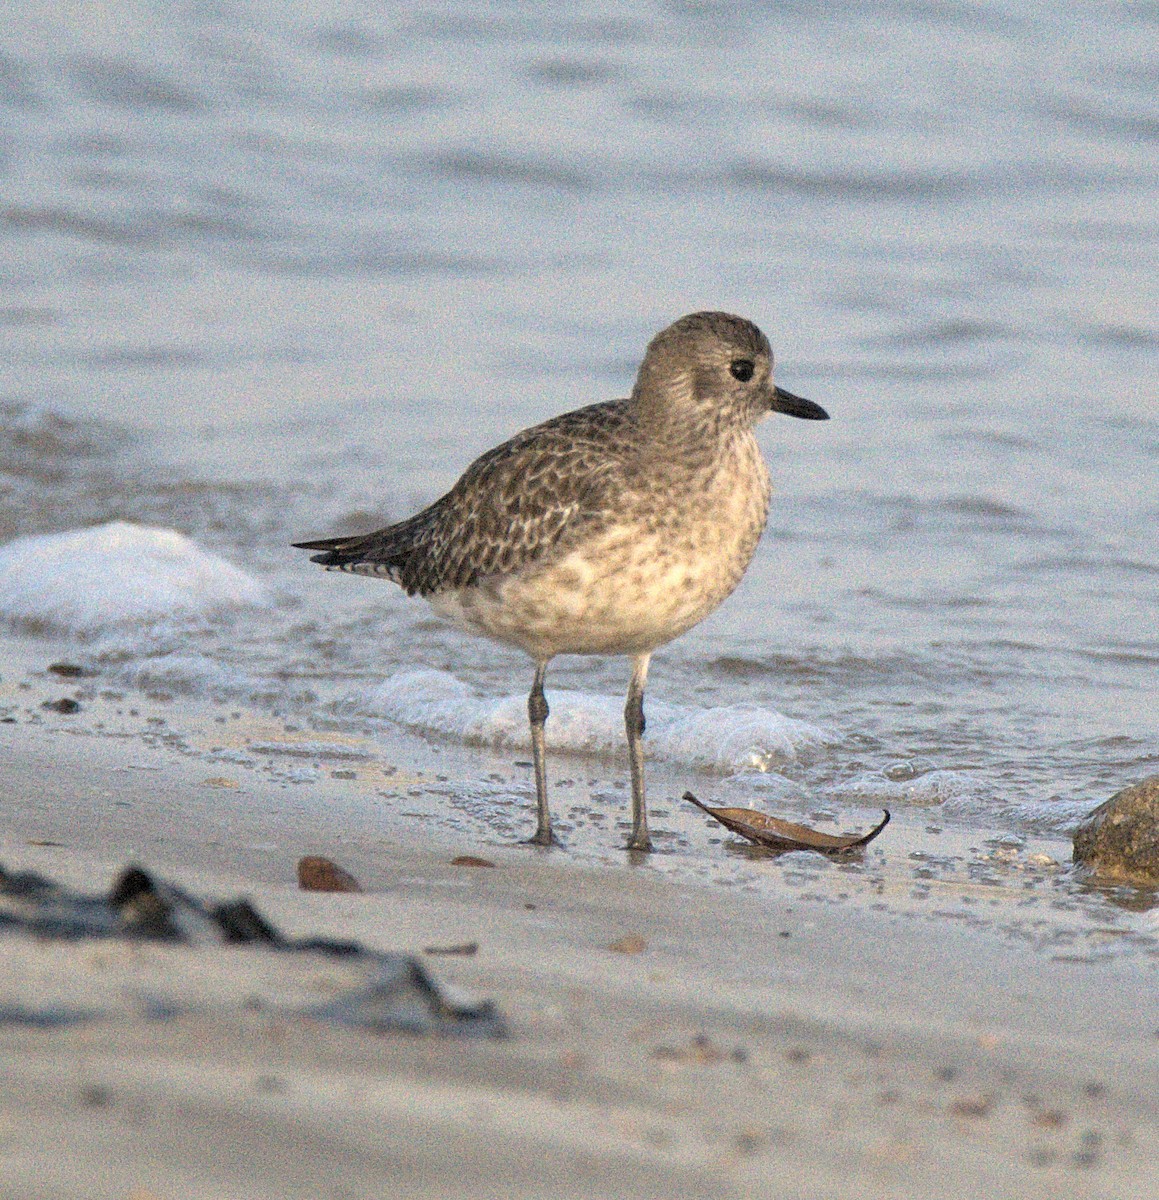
(272, 273)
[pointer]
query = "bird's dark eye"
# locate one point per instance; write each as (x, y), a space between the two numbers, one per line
(742, 369)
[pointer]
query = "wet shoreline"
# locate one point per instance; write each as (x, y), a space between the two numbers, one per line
(945, 1014)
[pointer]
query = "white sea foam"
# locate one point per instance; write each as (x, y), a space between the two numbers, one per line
(935, 787)
(189, 674)
(90, 581)
(728, 738)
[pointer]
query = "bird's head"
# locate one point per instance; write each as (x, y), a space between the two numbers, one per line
(716, 367)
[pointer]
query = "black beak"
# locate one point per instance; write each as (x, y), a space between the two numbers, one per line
(797, 406)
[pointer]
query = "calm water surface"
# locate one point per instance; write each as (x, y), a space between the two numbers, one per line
(271, 271)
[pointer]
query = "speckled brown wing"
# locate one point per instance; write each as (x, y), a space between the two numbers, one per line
(528, 499)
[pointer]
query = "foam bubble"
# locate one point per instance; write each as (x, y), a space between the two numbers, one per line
(728, 738)
(965, 795)
(90, 581)
(191, 674)
(930, 788)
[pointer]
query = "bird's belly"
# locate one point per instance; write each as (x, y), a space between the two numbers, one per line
(625, 592)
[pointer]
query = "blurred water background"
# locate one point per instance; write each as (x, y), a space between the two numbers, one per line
(273, 270)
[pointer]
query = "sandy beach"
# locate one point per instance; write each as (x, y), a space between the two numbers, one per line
(277, 273)
(875, 1028)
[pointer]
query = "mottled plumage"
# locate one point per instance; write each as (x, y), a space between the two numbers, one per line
(546, 488)
(608, 530)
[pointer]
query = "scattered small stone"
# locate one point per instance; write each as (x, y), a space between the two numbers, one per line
(470, 860)
(94, 1095)
(220, 781)
(798, 1054)
(67, 670)
(318, 874)
(631, 943)
(978, 1105)
(1049, 1118)
(701, 1051)
(1121, 837)
(749, 1141)
(1090, 1149)
(63, 705)
(466, 949)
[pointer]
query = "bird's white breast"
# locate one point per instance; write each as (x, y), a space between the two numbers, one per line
(664, 562)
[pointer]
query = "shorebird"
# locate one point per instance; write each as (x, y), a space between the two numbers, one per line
(608, 530)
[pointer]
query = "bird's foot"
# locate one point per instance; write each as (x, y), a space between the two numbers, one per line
(543, 837)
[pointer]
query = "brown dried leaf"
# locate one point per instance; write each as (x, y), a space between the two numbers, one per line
(783, 836)
(470, 860)
(318, 874)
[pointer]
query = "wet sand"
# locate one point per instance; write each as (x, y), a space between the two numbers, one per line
(961, 1023)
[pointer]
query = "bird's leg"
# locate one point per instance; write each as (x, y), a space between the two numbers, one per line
(537, 711)
(634, 724)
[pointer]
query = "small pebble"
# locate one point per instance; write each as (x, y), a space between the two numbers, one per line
(1090, 1149)
(318, 874)
(972, 1106)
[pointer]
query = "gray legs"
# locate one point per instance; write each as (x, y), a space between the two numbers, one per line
(537, 711)
(634, 724)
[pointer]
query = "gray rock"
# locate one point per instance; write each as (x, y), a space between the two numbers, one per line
(1121, 837)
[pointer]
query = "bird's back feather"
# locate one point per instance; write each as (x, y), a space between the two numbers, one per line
(515, 506)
